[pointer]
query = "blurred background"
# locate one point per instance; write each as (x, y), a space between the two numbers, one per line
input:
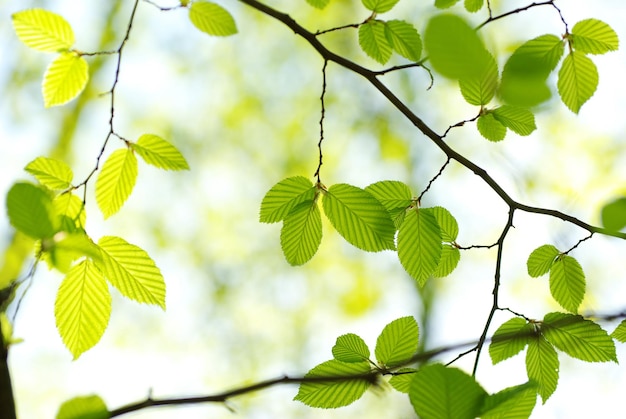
(245, 110)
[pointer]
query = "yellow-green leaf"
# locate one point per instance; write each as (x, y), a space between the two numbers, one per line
(519, 120)
(490, 128)
(567, 282)
(541, 259)
(318, 4)
(65, 78)
(510, 339)
(542, 366)
(70, 207)
(397, 342)
(480, 89)
(156, 151)
(284, 196)
(419, 244)
(43, 30)
(82, 307)
(374, 42)
(51, 173)
(404, 39)
(350, 348)
(473, 6)
(593, 36)
(30, 210)
(379, 6)
(450, 257)
(116, 181)
(212, 18)
(83, 407)
(301, 234)
(578, 80)
(620, 332)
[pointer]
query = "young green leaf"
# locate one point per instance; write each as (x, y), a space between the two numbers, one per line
(350, 348)
(450, 257)
(439, 392)
(401, 380)
(379, 6)
(614, 215)
(397, 343)
(116, 181)
(301, 234)
(52, 173)
(83, 407)
(473, 6)
(212, 18)
(404, 39)
(519, 120)
(578, 80)
(578, 337)
(480, 90)
(359, 217)
(620, 332)
(567, 282)
(62, 252)
(542, 366)
(69, 206)
(30, 211)
(43, 30)
(541, 259)
(156, 151)
(339, 390)
(284, 196)
(592, 36)
(490, 128)
(318, 4)
(129, 269)
(419, 244)
(374, 42)
(515, 402)
(444, 4)
(510, 339)
(447, 223)
(395, 196)
(65, 78)
(82, 307)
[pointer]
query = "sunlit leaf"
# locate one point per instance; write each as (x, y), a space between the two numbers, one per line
(519, 120)
(578, 80)
(66, 248)
(116, 181)
(614, 215)
(82, 307)
(43, 30)
(578, 337)
(542, 366)
(515, 402)
(301, 234)
(404, 39)
(65, 78)
(336, 392)
(490, 128)
(541, 259)
(350, 348)
(212, 18)
(319, 4)
(30, 210)
(447, 223)
(379, 6)
(567, 282)
(129, 269)
(83, 407)
(479, 90)
(592, 36)
(52, 173)
(402, 379)
(70, 207)
(156, 151)
(395, 196)
(397, 343)
(473, 6)
(510, 339)
(284, 196)
(450, 257)
(444, 4)
(620, 332)
(374, 42)
(439, 392)
(419, 244)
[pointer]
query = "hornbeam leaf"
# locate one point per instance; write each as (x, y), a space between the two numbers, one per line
(620, 332)
(30, 211)
(542, 366)
(510, 339)
(444, 4)
(447, 223)
(116, 181)
(43, 30)
(374, 42)
(578, 80)
(567, 282)
(70, 207)
(395, 196)
(379, 6)
(318, 4)
(473, 6)
(404, 39)
(593, 36)
(578, 337)
(479, 90)
(65, 78)
(83, 407)
(212, 18)
(515, 402)
(401, 380)
(301, 234)
(614, 214)
(359, 218)
(490, 128)
(419, 244)
(350, 348)
(156, 151)
(82, 307)
(129, 269)
(51, 173)
(450, 257)
(541, 259)
(339, 390)
(519, 120)
(284, 196)
(397, 343)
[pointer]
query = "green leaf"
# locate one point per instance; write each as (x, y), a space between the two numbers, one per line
(450, 257)
(339, 390)
(519, 120)
(510, 339)
(67, 248)
(444, 4)
(212, 18)
(82, 307)
(70, 207)
(592, 36)
(527, 69)
(614, 215)
(379, 6)
(490, 128)
(439, 392)
(473, 6)
(52, 173)
(30, 210)
(541, 259)
(83, 407)
(578, 337)
(480, 90)
(542, 366)
(578, 80)
(395, 196)
(156, 151)
(447, 223)
(567, 283)
(65, 78)
(319, 4)
(402, 379)
(419, 244)
(404, 39)
(301, 234)
(620, 332)
(116, 181)
(43, 30)
(454, 48)
(397, 343)
(129, 269)
(515, 402)
(350, 348)
(284, 196)
(374, 42)
(359, 217)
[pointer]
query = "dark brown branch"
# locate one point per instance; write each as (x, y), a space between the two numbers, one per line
(7, 402)
(512, 12)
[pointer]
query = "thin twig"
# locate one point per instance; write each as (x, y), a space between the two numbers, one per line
(419, 199)
(323, 114)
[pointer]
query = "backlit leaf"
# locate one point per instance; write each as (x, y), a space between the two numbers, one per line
(301, 234)
(404, 39)
(567, 282)
(450, 257)
(620, 332)
(116, 181)
(83, 407)
(510, 339)
(614, 215)
(397, 343)
(444, 4)
(284, 196)
(490, 128)
(70, 207)
(479, 90)
(541, 259)
(402, 379)
(419, 244)
(379, 6)
(542, 366)
(65, 78)
(51, 173)
(473, 6)
(129, 269)
(43, 30)
(374, 42)
(515, 402)
(519, 120)
(69, 247)
(82, 307)
(319, 4)
(359, 217)
(592, 36)
(212, 18)
(578, 80)
(395, 196)
(30, 210)
(447, 223)
(156, 151)
(350, 348)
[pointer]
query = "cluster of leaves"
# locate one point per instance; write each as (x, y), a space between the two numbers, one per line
(368, 219)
